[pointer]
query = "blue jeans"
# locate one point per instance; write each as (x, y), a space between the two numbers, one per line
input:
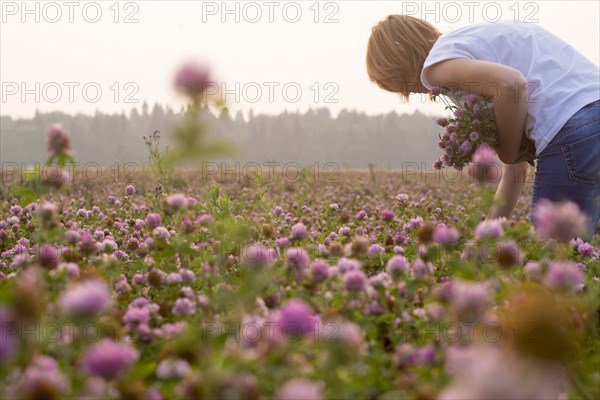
(569, 167)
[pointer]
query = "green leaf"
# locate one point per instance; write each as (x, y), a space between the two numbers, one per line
(50, 159)
(464, 269)
(26, 195)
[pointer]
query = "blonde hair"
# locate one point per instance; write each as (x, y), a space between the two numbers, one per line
(397, 49)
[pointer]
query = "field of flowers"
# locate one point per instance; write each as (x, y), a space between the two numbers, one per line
(302, 284)
(371, 285)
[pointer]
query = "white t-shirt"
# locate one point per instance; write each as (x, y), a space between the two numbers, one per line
(560, 79)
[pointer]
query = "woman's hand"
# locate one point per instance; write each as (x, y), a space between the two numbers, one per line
(509, 189)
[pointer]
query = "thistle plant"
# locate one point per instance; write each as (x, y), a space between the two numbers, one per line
(54, 174)
(190, 137)
(159, 163)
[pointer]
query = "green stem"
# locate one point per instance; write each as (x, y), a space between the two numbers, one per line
(577, 384)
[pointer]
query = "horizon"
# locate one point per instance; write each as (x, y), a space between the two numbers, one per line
(214, 112)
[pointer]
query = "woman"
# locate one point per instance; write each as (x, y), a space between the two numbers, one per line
(535, 80)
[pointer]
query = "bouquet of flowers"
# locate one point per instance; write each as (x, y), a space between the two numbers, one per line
(473, 125)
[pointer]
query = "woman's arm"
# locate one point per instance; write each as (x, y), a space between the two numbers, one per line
(509, 189)
(505, 85)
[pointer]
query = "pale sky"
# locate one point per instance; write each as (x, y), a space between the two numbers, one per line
(263, 51)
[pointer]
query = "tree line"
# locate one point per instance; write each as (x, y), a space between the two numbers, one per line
(351, 139)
